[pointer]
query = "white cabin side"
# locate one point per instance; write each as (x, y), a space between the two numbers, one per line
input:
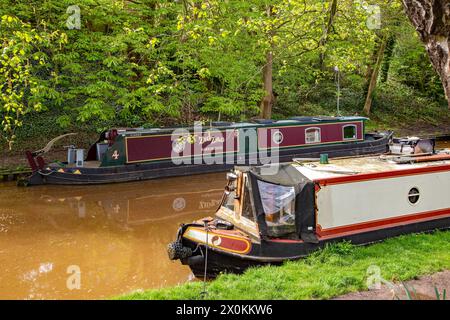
(358, 202)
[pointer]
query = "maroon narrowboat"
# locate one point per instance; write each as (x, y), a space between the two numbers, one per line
(122, 155)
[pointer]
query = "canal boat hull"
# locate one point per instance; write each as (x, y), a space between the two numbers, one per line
(278, 252)
(333, 202)
(53, 174)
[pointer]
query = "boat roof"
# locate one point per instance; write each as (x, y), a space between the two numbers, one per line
(284, 174)
(313, 170)
(254, 123)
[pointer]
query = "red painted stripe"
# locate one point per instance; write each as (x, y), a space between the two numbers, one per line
(382, 175)
(385, 223)
(231, 243)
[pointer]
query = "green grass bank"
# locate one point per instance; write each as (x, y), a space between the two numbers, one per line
(333, 271)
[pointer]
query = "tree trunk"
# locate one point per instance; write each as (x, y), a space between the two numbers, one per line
(326, 32)
(374, 77)
(371, 65)
(431, 18)
(267, 102)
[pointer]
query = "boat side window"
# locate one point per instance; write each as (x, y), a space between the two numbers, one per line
(247, 209)
(279, 207)
(349, 132)
(312, 135)
(230, 195)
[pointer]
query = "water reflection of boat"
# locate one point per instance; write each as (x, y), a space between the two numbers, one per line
(269, 216)
(133, 208)
(137, 204)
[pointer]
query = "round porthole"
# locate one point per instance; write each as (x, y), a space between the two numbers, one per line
(277, 137)
(413, 195)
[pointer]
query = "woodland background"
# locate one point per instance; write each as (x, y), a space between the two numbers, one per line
(158, 63)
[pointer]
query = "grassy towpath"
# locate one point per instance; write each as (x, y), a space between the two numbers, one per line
(333, 271)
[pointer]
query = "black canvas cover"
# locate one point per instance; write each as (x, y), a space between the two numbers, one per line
(287, 175)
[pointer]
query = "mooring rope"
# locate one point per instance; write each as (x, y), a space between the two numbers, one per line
(45, 174)
(205, 292)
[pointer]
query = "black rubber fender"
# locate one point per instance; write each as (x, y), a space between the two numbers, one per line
(176, 251)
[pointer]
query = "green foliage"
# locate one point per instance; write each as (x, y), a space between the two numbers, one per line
(145, 63)
(39, 128)
(412, 67)
(397, 104)
(22, 56)
(335, 270)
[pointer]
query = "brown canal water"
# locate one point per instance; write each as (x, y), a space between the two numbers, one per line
(115, 236)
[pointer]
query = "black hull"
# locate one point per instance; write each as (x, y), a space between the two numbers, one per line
(147, 171)
(275, 253)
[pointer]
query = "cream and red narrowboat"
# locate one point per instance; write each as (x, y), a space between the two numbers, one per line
(269, 216)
